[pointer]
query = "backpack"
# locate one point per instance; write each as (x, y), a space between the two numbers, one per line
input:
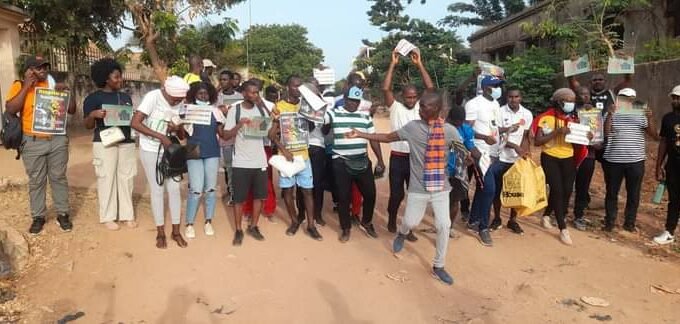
(173, 163)
(12, 134)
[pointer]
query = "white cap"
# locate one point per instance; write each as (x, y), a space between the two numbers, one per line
(208, 63)
(676, 91)
(628, 92)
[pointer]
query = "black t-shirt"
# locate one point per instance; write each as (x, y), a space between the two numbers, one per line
(602, 100)
(670, 132)
(95, 100)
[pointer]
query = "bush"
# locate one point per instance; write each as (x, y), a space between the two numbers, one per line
(533, 73)
(659, 49)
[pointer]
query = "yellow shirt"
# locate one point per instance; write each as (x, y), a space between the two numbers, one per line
(191, 78)
(286, 107)
(27, 110)
(557, 147)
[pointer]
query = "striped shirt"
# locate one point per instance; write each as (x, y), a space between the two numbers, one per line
(342, 122)
(626, 141)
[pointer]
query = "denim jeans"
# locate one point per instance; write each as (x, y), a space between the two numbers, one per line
(484, 195)
(202, 179)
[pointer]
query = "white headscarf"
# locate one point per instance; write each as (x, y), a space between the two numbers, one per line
(176, 87)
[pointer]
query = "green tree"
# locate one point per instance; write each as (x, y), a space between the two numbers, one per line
(481, 12)
(533, 73)
(279, 51)
(156, 20)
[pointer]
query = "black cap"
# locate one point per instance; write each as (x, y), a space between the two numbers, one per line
(34, 62)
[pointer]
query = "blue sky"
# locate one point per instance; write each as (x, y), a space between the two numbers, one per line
(335, 26)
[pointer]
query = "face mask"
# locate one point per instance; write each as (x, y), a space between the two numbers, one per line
(202, 103)
(496, 93)
(568, 107)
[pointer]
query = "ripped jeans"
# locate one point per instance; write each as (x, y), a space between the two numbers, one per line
(202, 180)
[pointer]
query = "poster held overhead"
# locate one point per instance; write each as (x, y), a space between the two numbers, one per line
(575, 67)
(404, 47)
(618, 65)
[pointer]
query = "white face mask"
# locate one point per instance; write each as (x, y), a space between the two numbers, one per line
(496, 93)
(202, 103)
(568, 107)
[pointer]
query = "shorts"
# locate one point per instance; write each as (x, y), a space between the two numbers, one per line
(303, 179)
(246, 180)
(459, 191)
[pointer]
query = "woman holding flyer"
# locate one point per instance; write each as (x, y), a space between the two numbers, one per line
(108, 112)
(204, 164)
(557, 158)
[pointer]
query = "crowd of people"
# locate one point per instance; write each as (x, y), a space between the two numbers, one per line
(424, 158)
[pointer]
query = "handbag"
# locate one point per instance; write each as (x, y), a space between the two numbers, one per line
(173, 163)
(193, 151)
(111, 136)
(356, 164)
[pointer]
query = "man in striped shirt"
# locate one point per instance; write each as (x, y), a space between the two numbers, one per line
(350, 160)
(624, 158)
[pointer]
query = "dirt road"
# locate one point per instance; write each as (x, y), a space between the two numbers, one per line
(120, 277)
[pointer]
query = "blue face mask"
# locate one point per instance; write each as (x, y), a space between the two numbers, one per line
(202, 103)
(496, 93)
(568, 107)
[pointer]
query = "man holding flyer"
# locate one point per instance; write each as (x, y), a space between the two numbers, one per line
(45, 154)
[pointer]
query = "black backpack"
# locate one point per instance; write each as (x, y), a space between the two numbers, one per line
(173, 163)
(12, 135)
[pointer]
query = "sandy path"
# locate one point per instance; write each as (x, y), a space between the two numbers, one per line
(121, 277)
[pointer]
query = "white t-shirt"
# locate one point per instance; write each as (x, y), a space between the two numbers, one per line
(508, 118)
(399, 117)
(158, 113)
(484, 113)
(248, 152)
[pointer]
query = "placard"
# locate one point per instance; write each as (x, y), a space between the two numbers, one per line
(231, 101)
(258, 127)
(491, 69)
(325, 76)
(404, 47)
(294, 131)
(50, 111)
(198, 114)
(309, 113)
(621, 65)
(117, 115)
(579, 66)
(593, 119)
(578, 134)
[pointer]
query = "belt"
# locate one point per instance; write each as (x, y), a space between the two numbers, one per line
(397, 153)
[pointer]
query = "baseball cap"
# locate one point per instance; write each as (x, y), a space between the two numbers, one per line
(676, 91)
(355, 93)
(208, 63)
(627, 92)
(34, 62)
(491, 81)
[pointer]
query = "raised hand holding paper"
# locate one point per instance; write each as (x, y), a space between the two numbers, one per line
(579, 66)
(404, 47)
(621, 65)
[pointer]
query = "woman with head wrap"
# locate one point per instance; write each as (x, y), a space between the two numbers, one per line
(153, 119)
(558, 156)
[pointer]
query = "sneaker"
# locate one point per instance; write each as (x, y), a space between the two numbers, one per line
(208, 229)
(474, 227)
(238, 238)
(453, 234)
(496, 224)
(190, 232)
(313, 233)
(630, 228)
(515, 228)
(580, 224)
(37, 225)
(369, 230)
(565, 237)
(411, 237)
(344, 237)
(292, 229)
(111, 226)
(664, 238)
(398, 243)
(485, 238)
(319, 221)
(356, 221)
(547, 223)
(441, 274)
(64, 222)
(254, 231)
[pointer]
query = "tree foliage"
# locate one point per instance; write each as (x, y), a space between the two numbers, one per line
(658, 50)
(279, 51)
(533, 73)
(481, 12)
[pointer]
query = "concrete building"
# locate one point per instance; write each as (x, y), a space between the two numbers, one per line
(10, 46)
(638, 26)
